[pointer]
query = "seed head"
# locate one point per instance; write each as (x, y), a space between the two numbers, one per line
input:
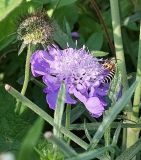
(35, 28)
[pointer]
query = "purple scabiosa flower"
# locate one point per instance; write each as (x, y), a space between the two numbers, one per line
(81, 72)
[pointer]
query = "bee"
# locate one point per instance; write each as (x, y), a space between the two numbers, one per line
(112, 67)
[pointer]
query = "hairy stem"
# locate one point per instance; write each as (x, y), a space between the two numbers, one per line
(26, 79)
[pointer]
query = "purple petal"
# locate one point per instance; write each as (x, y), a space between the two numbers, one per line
(94, 106)
(80, 96)
(51, 99)
(52, 82)
(39, 64)
(69, 99)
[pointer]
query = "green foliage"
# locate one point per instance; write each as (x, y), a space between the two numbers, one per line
(13, 128)
(30, 140)
(95, 41)
(21, 134)
(7, 6)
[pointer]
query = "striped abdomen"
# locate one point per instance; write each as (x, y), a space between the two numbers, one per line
(109, 77)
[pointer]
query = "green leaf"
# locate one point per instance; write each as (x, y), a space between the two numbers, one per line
(6, 41)
(65, 3)
(131, 151)
(21, 79)
(63, 146)
(112, 114)
(7, 6)
(12, 128)
(66, 12)
(86, 131)
(128, 20)
(90, 154)
(95, 126)
(95, 41)
(67, 28)
(59, 110)
(21, 48)
(87, 26)
(30, 140)
(45, 150)
(7, 25)
(99, 53)
(64, 39)
(116, 135)
(39, 97)
(42, 1)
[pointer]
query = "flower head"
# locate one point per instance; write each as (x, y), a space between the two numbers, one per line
(34, 28)
(81, 72)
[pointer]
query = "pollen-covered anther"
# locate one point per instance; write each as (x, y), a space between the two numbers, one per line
(36, 28)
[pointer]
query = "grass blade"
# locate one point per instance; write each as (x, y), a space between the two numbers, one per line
(131, 151)
(30, 140)
(111, 115)
(59, 111)
(90, 154)
(64, 147)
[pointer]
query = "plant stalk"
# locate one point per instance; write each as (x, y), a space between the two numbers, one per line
(119, 46)
(134, 133)
(26, 79)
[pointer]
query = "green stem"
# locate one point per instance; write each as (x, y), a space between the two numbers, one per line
(38, 83)
(44, 115)
(68, 112)
(26, 79)
(134, 133)
(137, 94)
(119, 46)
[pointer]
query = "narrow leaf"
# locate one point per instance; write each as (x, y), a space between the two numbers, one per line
(99, 53)
(44, 115)
(67, 28)
(131, 151)
(116, 135)
(21, 48)
(135, 17)
(95, 126)
(64, 147)
(86, 131)
(59, 110)
(30, 140)
(112, 114)
(90, 154)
